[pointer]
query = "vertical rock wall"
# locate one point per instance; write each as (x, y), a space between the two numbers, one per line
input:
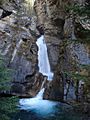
(59, 32)
(18, 46)
(51, 18)
(18, 35)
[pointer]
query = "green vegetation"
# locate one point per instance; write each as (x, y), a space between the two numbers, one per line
(7, 105)
(4, 75)
(80, 9)
(80, 14)
(83, 74)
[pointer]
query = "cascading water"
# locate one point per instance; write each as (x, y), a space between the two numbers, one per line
(37, 103)
(43, 61)
(38, 109)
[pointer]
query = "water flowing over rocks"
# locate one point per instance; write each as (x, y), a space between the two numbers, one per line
(43, 61)
(18, 35)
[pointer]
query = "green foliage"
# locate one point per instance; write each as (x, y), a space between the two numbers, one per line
(81, 15)
(81, 10)
(77, 75)
(87, 67)
(84, 41)
(82, 74)
(76, 9)
(4, 75)
(8, 107)
(87, 8)
(7, 104)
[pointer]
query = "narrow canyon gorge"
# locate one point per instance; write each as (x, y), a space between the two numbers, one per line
(45, 44)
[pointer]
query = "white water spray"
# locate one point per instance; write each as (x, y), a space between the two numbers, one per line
(43, 61)
(38, 105)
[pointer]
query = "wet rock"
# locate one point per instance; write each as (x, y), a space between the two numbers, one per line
(51, 21)
(55, 89)
(30, 86)
(33, 88)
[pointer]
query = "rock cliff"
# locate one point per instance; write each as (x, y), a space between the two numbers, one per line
(65, 54)
(18, 44)
(67, 51)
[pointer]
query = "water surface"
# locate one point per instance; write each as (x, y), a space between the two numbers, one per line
(46, 110)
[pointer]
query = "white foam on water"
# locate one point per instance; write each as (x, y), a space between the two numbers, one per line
(37, 104)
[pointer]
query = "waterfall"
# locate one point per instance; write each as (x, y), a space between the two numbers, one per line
(43, 61)
(40, 94)
(15, 50)
(37, 103)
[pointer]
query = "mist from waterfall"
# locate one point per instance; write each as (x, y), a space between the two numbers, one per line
(43, 60)
(38, 105)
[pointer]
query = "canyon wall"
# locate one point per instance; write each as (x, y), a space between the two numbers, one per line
(65, 54)
(18, 35)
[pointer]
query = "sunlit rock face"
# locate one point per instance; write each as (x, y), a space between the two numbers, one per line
(28, 4)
